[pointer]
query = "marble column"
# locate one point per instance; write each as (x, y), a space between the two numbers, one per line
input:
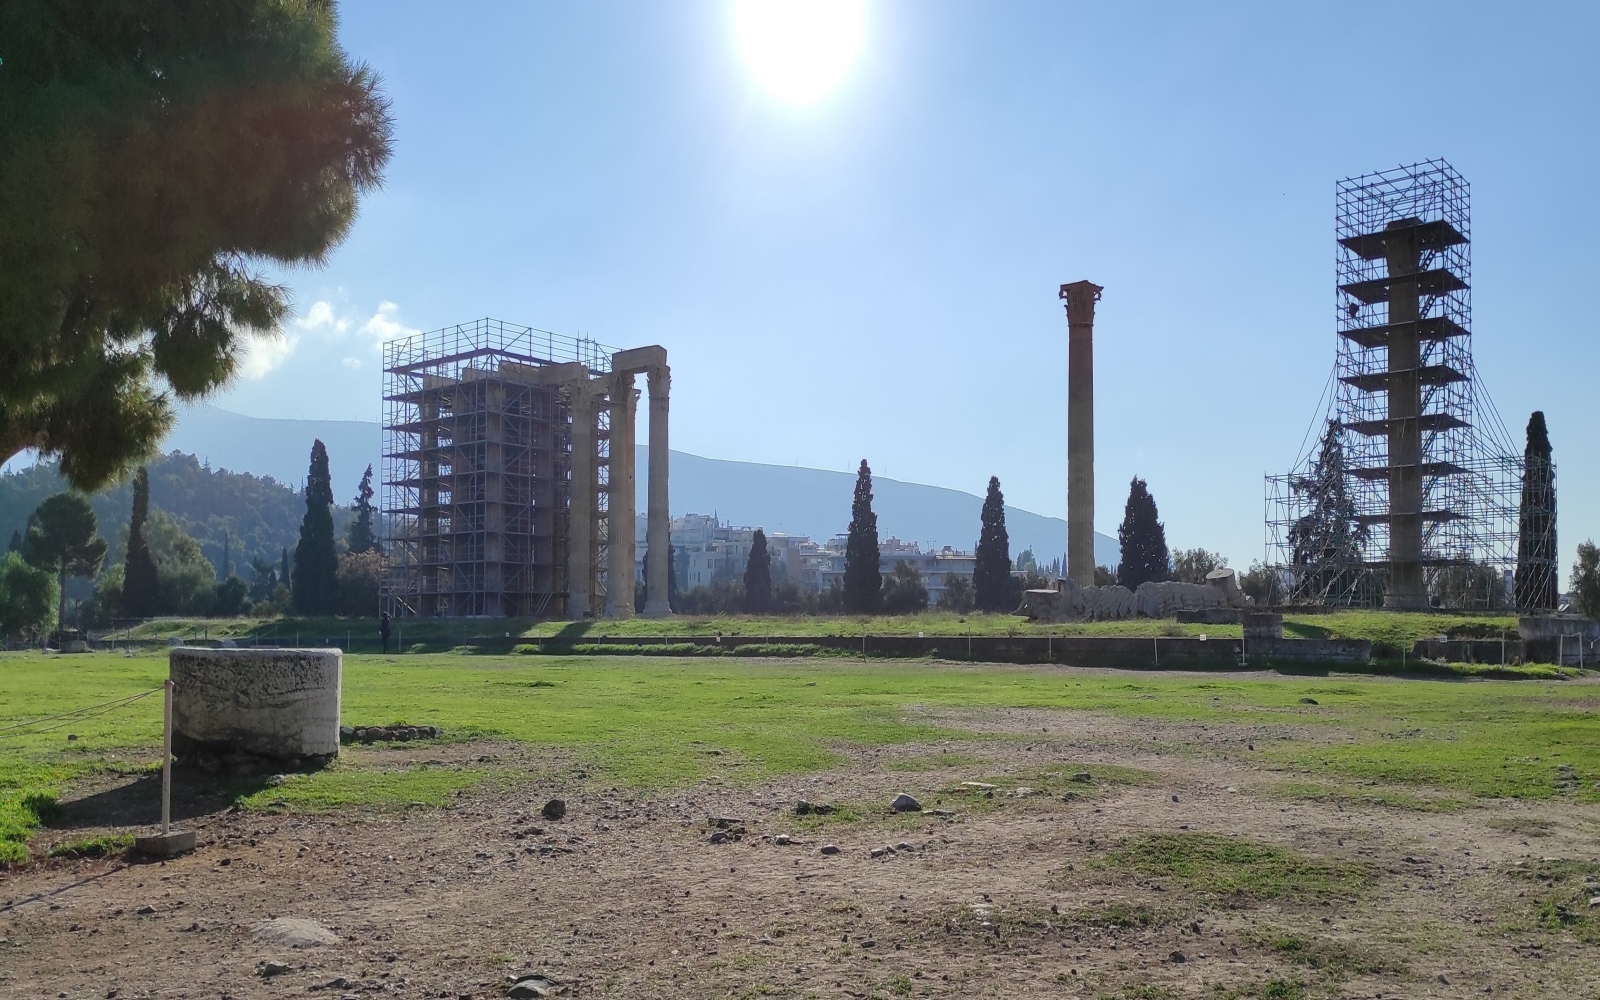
(1080, 297)
(619, 574)
(658, 534)
(581, 498)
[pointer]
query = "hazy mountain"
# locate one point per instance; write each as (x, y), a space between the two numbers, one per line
(777, 497)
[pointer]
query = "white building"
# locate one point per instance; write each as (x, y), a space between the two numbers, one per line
(937, 566)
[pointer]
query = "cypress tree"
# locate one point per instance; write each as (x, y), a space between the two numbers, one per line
(283, 568)
(991, 574)
(316, 565)
(863, 583)
(139, 570)
(361, 536)
(758, 575)
(1143, 538)
(1536, 524)
(16, 541)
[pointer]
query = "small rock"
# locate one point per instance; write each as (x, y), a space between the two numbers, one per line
(879, 852)
(1084, 777)
(1308, 701)
(1442, 980)
(904, 803)
(830, 849)
(720, 837)
(1174, 798)
(783, 840)
(268, 969)
(530, 986)
(902, 846)
(982, 786)
(292, 932)
(146, 910)
(1178, 958)
(802, 808)
(822, 808)
(946, 813)
(1595, 901)
(725, 822)
(554, 810)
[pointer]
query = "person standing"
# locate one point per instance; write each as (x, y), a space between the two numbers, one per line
(383, 631)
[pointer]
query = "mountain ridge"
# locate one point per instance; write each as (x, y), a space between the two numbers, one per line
(794, 499)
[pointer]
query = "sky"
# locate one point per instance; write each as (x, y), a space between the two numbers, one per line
(872, 273)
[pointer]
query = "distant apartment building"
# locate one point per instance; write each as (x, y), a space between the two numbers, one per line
(707, 549)
(937, 566)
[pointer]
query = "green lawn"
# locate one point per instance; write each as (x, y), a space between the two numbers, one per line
(1379, 626)
(659, 723)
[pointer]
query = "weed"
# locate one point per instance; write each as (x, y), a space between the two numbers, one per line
(1122, 915)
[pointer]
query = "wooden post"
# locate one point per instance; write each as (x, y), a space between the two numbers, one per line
(166, 762)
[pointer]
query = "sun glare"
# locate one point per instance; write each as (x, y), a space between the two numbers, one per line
(799, 50)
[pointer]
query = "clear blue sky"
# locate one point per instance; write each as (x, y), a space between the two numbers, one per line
(875, 275)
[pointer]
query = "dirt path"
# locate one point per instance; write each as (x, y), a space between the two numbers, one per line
(1015, 896)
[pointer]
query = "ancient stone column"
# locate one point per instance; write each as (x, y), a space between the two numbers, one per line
(1407, 588)
(581, 502)
(658, 534)
(619, 574)
(1080, 297)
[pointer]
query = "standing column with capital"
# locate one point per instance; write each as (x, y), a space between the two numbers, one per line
(658, 534)
(581, 497)
(1080, 297)
(619, 574)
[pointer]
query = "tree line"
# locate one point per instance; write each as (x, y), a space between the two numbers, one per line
(159, 569)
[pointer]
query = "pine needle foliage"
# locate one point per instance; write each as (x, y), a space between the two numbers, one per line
(153, 158)
(863, 579)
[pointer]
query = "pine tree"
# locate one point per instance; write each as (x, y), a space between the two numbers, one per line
(1585, 581)
(863, 581)
(1536, 526)
(991, 574)
(1326, 544)
(139, 570)
(64, 539)
(758, 576)
(1143, 538)
(316, 564)
(361, 536)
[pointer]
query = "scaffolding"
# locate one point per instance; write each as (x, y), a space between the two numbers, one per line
(1406, 491)
(477, 465)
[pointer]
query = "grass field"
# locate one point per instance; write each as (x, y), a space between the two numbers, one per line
(1378, 626)
(664, 723)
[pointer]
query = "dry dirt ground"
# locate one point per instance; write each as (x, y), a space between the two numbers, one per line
(1014, 896)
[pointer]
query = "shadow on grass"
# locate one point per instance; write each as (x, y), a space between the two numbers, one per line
(195, 793)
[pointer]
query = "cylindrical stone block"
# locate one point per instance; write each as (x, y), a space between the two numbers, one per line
(278, 704)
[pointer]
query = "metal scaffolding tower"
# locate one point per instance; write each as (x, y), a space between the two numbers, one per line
(1409, 495)
(477, 464)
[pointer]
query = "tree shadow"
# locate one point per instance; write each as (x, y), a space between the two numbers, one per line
(195, 793)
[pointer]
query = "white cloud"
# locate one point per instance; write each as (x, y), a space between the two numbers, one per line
(353, 364)
(263, 353)
(321, 317)
(383, 326)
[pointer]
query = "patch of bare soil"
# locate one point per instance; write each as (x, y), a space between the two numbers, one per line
(1021, 889)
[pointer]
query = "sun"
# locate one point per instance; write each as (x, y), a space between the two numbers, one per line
(799, 50)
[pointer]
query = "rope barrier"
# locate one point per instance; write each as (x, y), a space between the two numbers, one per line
(76, 715)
